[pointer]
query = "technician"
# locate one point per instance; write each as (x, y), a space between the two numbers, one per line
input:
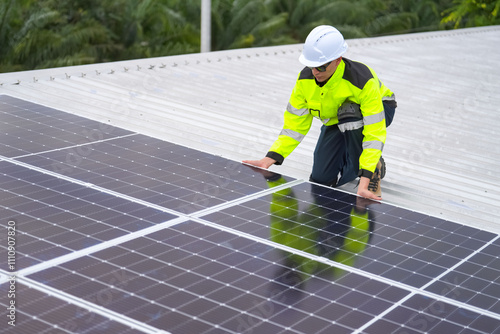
(354, 106)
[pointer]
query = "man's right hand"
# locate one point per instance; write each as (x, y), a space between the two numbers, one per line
(265, 162)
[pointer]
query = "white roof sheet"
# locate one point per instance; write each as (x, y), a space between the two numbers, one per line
(441, 151)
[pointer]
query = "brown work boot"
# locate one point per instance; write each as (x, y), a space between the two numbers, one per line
(374, 185)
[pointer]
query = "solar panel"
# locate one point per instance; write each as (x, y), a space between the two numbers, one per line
(203, 273)
(476, 282)
(55, 217)
(28, 128)
(397, 244)
(42, 313)
(123, 233)
(158, 172)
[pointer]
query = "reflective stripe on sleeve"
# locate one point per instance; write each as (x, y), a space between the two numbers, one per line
(292, 134)
(297, 112)
(389, 98)
(375, 144)
(373, 119)
(349, 126)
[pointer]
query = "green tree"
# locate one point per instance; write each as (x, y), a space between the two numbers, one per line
(473, 13)
(233, 22)
(150, 28)
(55, 34)
(12, 13)
(48, 33)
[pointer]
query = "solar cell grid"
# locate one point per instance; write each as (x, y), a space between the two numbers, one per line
(476, 282)
(30, 128)
(420, 314)
(55, 217)
(158, 172)
(237, 252)
(180, 278)
(393, 247)
(44, 314)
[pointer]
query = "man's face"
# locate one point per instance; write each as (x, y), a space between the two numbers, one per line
(328, 72)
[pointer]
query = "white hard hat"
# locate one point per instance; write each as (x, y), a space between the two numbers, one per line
(323, 44)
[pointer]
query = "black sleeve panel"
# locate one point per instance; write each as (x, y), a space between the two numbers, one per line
(306, 73)
(356, 73)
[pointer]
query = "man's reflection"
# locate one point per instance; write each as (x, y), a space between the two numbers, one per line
(337, 230)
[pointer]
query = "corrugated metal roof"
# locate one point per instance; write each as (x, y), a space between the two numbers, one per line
(441, 151)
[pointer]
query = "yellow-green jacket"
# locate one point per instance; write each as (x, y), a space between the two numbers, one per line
(352, 81)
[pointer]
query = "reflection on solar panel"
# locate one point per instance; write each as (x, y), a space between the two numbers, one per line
(117, 232)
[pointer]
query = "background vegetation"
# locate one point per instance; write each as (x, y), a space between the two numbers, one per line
(38, 34)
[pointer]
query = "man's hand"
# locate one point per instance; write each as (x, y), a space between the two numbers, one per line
(363, 189)
(262, 163)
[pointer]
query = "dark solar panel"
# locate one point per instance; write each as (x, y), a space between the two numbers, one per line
(420, 314)
(27, 128)
(40, 313)
(54, 217)
(156, 171)
(156, 236)
(213, 278)
(390, 242)
(475, 282)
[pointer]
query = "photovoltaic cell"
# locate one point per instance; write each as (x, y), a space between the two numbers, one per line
(54, 217)
(40, 313)
(28, 128)
(156, 171)
(204, 280)
(289, 258)
(364, 234)
(421, 314)
(475, 282)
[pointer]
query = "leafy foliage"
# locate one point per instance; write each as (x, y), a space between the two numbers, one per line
(47, 33)
(472, 13)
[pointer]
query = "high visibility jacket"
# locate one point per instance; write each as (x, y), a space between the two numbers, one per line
(352, 81)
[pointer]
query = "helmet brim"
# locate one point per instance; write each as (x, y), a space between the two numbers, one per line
(309, 63)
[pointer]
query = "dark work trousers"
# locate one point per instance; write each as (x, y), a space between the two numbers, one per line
(338, 152)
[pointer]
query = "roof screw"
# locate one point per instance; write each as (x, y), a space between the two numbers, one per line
(18, 82)
(35, 79)
(174, 65)
(125, 69)
(208, 60)
(52, 78)
(186, 63)
(97, 72)
(151, 67)
(163, 65)
(83, 75)
(112, 72)
(67, 76)
(138, 68)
